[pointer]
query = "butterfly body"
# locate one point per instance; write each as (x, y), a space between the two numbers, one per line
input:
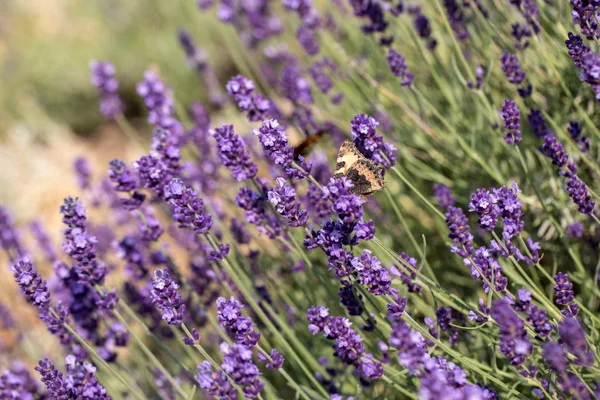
(364, 175)
(303, 147)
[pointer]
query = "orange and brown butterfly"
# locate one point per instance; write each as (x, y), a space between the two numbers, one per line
(364, 175)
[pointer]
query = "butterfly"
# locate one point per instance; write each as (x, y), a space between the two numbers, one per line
(303, 148)
(351, 163)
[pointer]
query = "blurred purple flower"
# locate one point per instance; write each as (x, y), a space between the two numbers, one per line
(103, 78)
(512, 121)
(83, 172)
(159, 102)
(443, 195)
(458, 225)
(554, 150)
(513, 336)
(583, 142)
(242, 90)
(397, 64)
(512, 68)
(574, 341)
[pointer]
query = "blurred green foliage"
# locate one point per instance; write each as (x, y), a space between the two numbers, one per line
(46, 45)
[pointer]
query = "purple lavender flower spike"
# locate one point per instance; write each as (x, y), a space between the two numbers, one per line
(276, 357)
(397, 64)
(512, 68)
(31, 283)
(576, 49)
(295, 87)
(167, 297)
(274, 141)
(483, 309)
(575, 229)
(79, 244)
(584, 14)
(283, 199)
(242, 91)
(238, 364)
(370, 143)
(233, 153)
(564, 294)
(574, 341)
(583, 142)
(521, 33)
(214, 383)
(372, 274)
(538, 123)
(84, 383)
(317, 316)
(239, 231)
(458, 225)
(479, 71)
(578, 192)
(484, 204)
(397, 307)
(523, 301)
(407, 272)
(305, 10)
(456, 17)
(159, 102)
(509, 208)
(483, 263)
(348, 344)
(590, 71)
(410, 345)
(54, 380)
(198, 60)
(443, 195)
(103, 78)
(317, 72)
(17, 383)
(538, 318)
(422, 26)
(229, 314)
(513, 336)
(373, 14)
(188, 208)
(512, 121)
(350, 299)
(554, 150)
(555, 357)
(308, 41)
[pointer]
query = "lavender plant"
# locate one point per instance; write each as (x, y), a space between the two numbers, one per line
(238, 266)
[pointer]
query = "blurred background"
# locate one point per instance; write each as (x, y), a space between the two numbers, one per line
(49, 109)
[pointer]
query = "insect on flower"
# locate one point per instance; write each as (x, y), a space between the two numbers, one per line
(351, 163)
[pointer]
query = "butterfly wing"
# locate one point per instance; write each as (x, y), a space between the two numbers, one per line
(348, 155)
(303, 148)
(366, 177)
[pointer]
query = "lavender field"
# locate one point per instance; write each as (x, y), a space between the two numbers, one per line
(338, 200)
